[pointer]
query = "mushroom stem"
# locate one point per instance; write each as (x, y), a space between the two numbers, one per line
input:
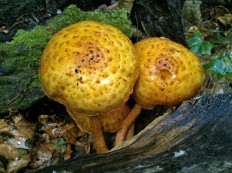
(122, 132)
(130, 132)
(97, 134)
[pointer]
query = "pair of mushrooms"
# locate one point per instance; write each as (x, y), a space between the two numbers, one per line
(92, 68)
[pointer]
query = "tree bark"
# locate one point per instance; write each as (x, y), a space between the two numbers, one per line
(160, 18)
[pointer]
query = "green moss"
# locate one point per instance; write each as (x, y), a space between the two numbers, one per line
(72, 15)
(25, 49)
(20, 86)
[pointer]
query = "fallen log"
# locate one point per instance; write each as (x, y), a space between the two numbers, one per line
(196, 137)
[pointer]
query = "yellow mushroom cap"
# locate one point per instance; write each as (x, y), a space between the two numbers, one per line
(169, 73)
(90, 67)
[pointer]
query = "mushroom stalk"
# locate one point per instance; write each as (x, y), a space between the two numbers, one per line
(122, 132)
(130, 132)
(97, 134)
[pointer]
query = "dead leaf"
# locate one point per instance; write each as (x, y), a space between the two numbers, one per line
(16, 138)
(56, 141)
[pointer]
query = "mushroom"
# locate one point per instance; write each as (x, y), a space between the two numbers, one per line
(169, 74)
(90, 68)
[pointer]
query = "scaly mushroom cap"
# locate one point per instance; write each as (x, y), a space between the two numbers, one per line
(89, 67)
(110, 121)
(169, 73)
